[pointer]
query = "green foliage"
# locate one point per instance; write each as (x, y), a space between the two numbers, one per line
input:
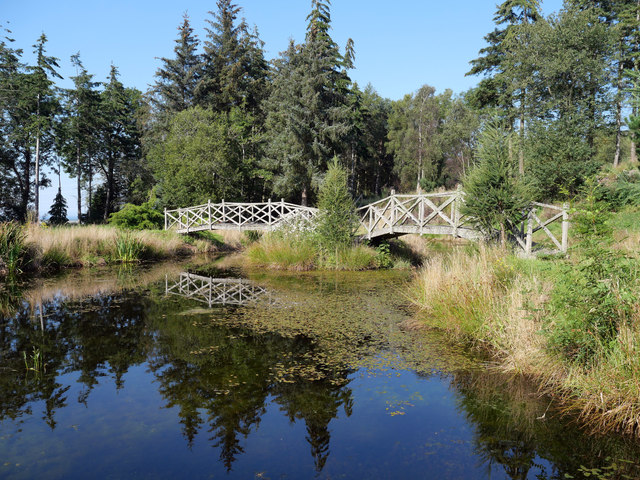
(198, 160)
(137, 217)
(597, 294)
(13, 251)
(559, 158)
(495, 197)
(383, 256)
(58, 210)
(337, 219)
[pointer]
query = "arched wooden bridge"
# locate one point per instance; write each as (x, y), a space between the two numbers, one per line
(429, 213)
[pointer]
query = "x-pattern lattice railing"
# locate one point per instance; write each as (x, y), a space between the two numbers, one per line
(240, 216)
(217, 291)
(430, 213)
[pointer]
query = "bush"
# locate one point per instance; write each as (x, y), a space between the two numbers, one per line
(597, 295)
(137, 217)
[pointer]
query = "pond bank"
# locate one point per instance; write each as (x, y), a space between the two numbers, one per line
(540, 319)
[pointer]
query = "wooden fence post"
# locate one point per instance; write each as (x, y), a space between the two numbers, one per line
(565, 227)
(209, 213)
(529, 239)
(165, 218)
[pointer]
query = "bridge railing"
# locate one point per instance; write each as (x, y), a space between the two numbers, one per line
(234, 215)
(422, 213)
(217, 291)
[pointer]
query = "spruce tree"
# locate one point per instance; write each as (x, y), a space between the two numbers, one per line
(176, 79)
(58, 210)
(309, 111)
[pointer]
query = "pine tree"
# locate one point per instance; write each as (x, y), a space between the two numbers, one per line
(495, 196)
(177, 78)
(505, 83)
(58, 210)
(119, 152)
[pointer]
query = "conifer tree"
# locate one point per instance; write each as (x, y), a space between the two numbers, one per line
(80, 127)
(176, 79)
(58, 210)
(309, 111)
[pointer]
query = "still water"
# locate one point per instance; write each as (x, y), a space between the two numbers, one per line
(201, 370)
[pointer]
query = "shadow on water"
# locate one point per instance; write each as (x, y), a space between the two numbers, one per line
(296, 345)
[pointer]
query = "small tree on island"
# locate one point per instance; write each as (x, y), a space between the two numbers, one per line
(58, 211)
(495, 195)
(337, 218)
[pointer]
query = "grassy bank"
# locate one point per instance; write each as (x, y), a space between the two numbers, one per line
(34, 248)
(301, 253)
(573, 324)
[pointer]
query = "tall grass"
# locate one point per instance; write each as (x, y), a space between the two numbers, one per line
(504, 305)
(12, 248)
(282, 253)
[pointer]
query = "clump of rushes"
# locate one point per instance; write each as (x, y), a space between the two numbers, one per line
(128, 248)
(13, 251)
(283, 253)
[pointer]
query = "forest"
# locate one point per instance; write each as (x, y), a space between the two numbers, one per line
(222, 122)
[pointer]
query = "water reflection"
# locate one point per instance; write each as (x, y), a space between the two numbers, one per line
(222, 291)
(222, 371)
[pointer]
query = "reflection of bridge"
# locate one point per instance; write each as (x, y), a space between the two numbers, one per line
(431, 213)
(217, 291)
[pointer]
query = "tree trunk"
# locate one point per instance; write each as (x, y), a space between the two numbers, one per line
(37, 180)
(78, 173)
(616, 156)
(110, 188)
(633, 153)
(521, 146)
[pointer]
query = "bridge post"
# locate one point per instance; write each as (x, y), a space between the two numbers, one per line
(165, 218)
(209, 213)
(269, 213)
(529, 239)
(456, 210)
(281, 207)
(224, 216)
(565, 227)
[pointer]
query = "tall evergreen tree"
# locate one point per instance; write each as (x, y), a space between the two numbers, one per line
(80, 127)
(309, 111)
(233, 70)
(177, 78)
(119, 153)
(505, 82)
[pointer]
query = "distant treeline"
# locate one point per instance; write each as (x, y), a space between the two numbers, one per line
(221, 122)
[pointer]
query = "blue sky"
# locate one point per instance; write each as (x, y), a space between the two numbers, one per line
(400, 45)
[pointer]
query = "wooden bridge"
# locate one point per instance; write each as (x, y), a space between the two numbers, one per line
(217, 291)
(429, 213)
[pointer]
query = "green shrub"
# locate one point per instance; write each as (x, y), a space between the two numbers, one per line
(55, 258)
(596, 295)
(138, 217)
(383, 256)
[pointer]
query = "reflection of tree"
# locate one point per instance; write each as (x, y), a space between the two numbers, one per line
(317, 403)
(229, 372)
(96, 337)
(510, 433)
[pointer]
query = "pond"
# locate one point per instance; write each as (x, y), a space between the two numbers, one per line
(202, 370)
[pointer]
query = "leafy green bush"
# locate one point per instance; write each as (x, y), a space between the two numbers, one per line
(138, 217)
(596, 295)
